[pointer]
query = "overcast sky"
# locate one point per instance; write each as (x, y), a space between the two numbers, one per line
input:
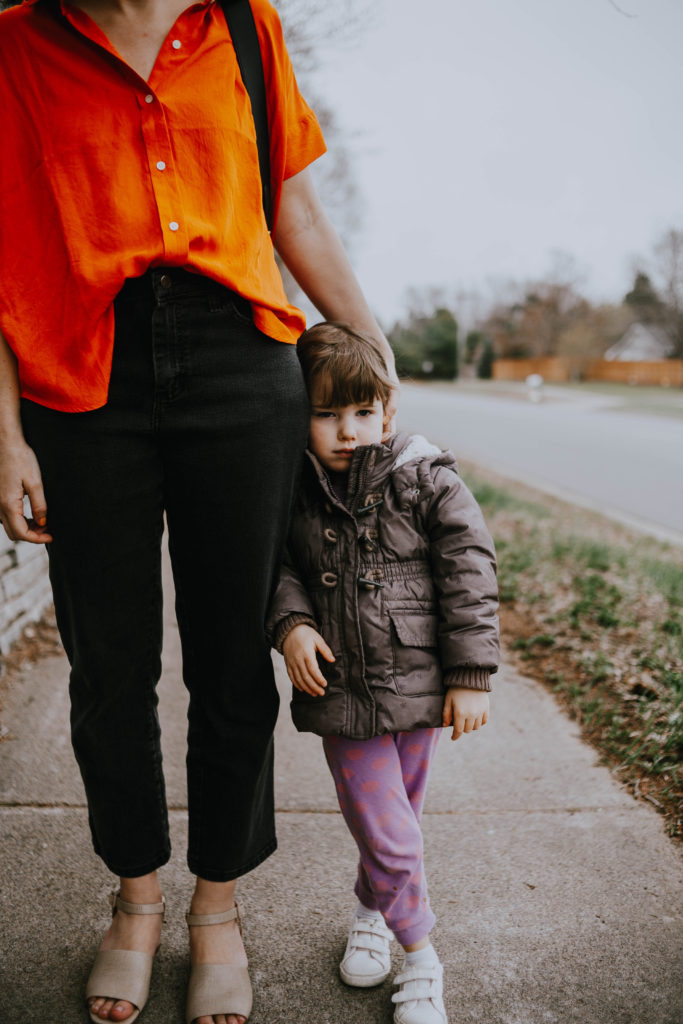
(486, 134)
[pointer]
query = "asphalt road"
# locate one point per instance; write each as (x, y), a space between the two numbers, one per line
(579, 447)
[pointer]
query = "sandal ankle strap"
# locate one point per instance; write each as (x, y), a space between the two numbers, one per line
(204, 919)
(117, 903)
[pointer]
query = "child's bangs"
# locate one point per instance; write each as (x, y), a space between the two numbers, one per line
(348, 385)
(344, 366)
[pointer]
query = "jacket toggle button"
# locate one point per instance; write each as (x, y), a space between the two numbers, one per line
(330, 535)
(329, 579)
(367, 542)
(372, 501)
(367, 584)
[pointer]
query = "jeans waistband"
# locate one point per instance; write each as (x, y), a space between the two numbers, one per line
(167, 284)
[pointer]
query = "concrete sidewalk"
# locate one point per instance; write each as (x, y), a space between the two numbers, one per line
(558, 896)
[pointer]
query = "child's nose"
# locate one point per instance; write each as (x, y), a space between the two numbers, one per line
(347, 429)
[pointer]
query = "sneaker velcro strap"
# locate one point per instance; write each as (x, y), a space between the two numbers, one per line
(418, 972)
(412, 997)
(364, 924)
(419, 981)
(368, 940)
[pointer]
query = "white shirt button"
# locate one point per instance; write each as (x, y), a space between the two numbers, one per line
(176, 44)
(161, 166)
(149, 98)
(174, 225)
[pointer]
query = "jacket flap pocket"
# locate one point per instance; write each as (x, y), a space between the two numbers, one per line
(414, 629)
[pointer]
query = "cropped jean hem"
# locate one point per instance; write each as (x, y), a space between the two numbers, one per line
(219, 875)
(142, 869)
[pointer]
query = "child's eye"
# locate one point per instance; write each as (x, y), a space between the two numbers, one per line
(323, 414)
(366, 412)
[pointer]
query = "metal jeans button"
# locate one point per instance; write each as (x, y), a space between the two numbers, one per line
(165, 281)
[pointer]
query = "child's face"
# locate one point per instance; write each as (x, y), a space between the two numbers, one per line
(337, 431)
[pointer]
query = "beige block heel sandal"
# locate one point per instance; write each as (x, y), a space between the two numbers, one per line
(123, 974)
(217, 988)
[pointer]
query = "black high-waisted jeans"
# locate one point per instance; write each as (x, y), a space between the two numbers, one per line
(206, 421)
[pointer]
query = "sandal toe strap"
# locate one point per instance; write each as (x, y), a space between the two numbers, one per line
(121, 974)
(216, 989)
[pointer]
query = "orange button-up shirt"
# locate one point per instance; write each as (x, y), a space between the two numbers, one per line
(104, 174)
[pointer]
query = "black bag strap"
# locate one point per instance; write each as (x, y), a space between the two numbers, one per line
(240, 19)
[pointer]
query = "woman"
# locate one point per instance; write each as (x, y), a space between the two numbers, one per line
(147, 366)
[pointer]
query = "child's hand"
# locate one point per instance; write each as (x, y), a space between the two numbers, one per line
(465, 710)
(299, 650)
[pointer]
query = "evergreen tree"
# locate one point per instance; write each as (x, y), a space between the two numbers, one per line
(426, 347)
(485, 364)
(643, 300)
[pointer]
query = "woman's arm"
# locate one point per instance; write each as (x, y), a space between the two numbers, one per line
(315, 256)
(19, 470)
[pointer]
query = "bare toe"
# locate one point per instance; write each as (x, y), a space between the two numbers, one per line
(102, 1007)
(121, 1011)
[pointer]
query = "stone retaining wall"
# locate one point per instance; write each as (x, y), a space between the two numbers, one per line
(24, 588)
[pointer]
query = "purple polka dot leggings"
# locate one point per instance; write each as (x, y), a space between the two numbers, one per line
(381, 786)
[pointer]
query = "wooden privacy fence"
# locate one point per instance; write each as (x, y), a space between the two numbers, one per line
(556, 369)
(665, 373)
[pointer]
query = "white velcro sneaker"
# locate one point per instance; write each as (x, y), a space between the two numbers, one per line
(367, 960)
(419, 999)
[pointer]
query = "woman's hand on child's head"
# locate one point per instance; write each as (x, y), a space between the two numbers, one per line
(300, 649)
(465, 710)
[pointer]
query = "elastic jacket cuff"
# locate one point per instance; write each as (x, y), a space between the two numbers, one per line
(468, 678)
(286, 625)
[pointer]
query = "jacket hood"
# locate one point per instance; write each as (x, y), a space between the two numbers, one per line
(412, 470)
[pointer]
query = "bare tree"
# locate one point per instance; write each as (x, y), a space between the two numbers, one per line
(312, 26)
(620, 10)
(313, 29)
(669, 269)
(529, 318)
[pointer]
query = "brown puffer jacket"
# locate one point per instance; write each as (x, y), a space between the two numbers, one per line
(400, 580)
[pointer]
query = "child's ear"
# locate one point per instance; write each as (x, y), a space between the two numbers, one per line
(387, 426)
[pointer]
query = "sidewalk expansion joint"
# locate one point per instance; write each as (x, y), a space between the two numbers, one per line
(476, 812)
(12, 805)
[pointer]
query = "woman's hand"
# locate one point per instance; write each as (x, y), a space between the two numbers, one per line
(19, 470)
(300, 649)
(465, 710)
(19, 476)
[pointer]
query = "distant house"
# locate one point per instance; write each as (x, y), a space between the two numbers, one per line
(641, 342)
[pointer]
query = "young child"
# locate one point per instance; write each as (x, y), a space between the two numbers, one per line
(389, 579)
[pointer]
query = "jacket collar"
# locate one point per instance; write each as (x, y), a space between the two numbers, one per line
(369, 468)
